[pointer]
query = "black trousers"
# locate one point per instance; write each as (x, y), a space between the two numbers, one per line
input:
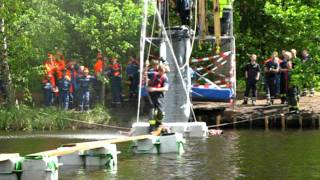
(251, 85)
(271, 83)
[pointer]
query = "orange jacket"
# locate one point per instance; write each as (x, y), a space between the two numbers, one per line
(50, 66)
(98, 67)
(61, 65)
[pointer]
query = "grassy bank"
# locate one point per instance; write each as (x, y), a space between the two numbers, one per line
(25, 118)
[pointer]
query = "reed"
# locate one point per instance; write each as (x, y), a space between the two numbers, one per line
(26, 118)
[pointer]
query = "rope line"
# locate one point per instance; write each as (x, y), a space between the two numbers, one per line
(175, 61)
(142, 47)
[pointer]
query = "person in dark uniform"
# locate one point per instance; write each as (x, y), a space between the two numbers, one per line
(252, 75)
(293, 91)
(114, 73)
(84, 83)
(64, 87)
(183, 11)
(158, 84)
(48, 85)
(271, 70)
(284, 76)
(307, 61)
(132, 72)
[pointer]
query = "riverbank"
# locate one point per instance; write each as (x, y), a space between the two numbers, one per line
(25, 118)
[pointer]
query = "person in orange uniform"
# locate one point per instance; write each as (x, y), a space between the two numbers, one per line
(98, 69)
(61, 64)
(114, 73)
(50, 65)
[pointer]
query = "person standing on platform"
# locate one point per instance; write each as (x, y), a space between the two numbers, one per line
(271, 70)
(252, 75)
(284, 76)
(132, 72)
(114, 73)
(293, 91)
(307, 62)
(158, 84)
(84, 90)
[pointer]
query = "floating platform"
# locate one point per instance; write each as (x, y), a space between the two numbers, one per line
(173, 143)
(188, 129)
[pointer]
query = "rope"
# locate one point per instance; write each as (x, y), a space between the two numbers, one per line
(194, 34)
(175, 59)
(92, 123)
(142, 46)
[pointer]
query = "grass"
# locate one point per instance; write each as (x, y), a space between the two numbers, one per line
(26, 118)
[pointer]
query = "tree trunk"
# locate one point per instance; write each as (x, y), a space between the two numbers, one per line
(5, 70)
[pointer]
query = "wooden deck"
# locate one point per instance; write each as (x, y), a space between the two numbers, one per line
(261, 115)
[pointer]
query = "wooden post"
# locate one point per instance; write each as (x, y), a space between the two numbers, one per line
(319, 121)
(313, 122)
(202, 19)
(217, 24)
(283, 122)
(234, 119)
(300, 121)
(218, 120)
(266, 122)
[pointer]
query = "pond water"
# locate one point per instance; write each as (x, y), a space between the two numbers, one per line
(242, 154)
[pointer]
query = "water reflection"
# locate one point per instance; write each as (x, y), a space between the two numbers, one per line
(234, 155)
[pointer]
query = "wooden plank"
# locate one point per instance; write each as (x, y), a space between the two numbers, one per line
(266, 122)
(202, 19)
(87, 146)
(217, 24)
(283, 121)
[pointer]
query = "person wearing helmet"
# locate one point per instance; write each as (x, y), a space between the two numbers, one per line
(158, 84)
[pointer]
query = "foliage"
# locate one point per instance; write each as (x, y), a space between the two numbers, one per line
(80, 28)
(262, 27)
(25, 118)
(109, 26)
